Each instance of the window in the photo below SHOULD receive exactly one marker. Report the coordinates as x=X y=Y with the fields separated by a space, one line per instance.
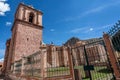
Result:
x=29 y=59
x=27 y=39
x=0 y=65
x=31 y=17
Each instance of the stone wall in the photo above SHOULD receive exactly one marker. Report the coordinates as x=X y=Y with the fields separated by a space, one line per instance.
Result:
x=6 y=64
x=27 y=40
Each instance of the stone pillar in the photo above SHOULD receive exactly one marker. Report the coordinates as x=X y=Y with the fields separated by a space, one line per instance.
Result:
x=14 y=68
x=112 y=56
x=71 y=64
x=87 y=74
x=77 y=74
x=57 y=62
x=23 y=67
x=65 y=56
x=44 y=61
x=24 y=14
x=53 y=57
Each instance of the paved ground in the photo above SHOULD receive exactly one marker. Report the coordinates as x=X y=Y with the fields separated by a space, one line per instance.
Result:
x=1 y=77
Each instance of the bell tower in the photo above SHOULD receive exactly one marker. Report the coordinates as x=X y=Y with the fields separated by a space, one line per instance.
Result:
x=26 y=32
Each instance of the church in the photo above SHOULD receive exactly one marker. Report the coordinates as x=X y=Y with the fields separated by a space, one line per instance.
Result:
x=26 y=37
x=26 y=34
x=25 y=51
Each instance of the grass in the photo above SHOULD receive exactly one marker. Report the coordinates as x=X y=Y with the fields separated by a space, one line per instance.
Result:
x=58 y=71
x=99 y=72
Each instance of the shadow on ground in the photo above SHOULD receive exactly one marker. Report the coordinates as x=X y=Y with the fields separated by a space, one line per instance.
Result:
x=104 y=71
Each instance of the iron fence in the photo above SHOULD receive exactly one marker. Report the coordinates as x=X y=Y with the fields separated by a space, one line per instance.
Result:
x=114 y=34
x=51 y=63
x=32 y=65
x=91 y=60
x=57 y=63
x=18 y=66
x=29 y=66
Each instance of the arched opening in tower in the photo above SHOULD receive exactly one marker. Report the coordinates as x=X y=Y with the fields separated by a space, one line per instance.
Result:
x=31 y=17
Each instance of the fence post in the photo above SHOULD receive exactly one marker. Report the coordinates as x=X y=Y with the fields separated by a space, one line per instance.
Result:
x=22 y=66
x=14 y=65
x=87 y=73
x=111 y=55
x=44 y=62
x=71 y=63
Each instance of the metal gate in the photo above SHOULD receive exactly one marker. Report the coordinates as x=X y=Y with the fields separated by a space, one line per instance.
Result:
x=91 y=61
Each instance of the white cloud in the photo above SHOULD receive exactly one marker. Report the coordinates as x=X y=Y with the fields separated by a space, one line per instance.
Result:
x=4 y=7
x=91 y=29
x=2 y=51
x=77 y=30
x=100 y=8
x=92 y=10
x=81 y=30
x=52 y=30
x=2 y=59
x=3 y=0
x=103 y=27
x=8 y=23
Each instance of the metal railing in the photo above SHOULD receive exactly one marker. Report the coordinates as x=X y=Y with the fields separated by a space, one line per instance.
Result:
x=92 y=61
x=114 y=34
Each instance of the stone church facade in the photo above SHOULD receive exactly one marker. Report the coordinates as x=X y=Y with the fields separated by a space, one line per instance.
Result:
x=26 y=45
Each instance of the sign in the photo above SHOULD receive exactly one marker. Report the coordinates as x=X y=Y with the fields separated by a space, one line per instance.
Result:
x=90 y=67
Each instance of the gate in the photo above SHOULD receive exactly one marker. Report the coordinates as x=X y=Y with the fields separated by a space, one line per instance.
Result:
x=91 y=62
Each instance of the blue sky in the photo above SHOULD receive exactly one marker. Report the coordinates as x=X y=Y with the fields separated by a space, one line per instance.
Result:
x=63 y=19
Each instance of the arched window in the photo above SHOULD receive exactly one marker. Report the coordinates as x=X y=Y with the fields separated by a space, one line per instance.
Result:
x=31 y=17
